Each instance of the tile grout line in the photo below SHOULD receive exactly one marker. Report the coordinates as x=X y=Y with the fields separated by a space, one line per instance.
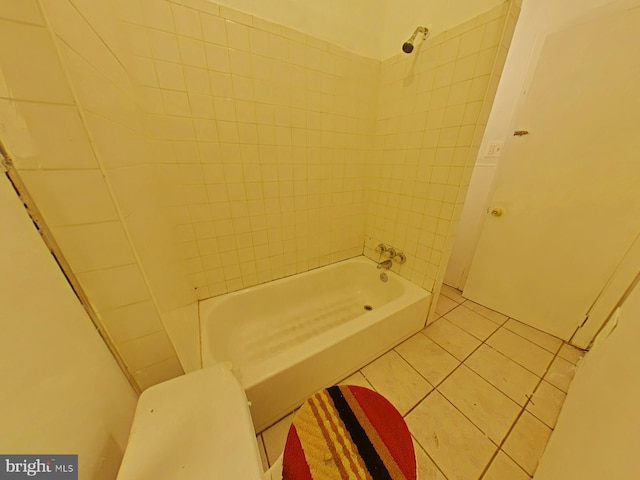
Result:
x=523 y=408
x=427 y=454
x=493 y=333
x=478 y=313
x=435 y=389
x=461 y=362
x=411 y=409
x=435 y=386
x=522 y=411
x=504 y=323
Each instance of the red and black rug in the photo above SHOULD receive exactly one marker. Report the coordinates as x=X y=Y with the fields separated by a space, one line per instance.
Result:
x=348 y=432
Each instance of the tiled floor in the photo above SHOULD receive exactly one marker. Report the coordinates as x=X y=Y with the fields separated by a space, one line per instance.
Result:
x=480 y=392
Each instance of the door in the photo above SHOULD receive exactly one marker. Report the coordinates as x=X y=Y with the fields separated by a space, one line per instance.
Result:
x=570 y=189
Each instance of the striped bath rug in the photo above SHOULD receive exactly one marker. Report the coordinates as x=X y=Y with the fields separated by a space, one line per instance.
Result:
x=348 y=432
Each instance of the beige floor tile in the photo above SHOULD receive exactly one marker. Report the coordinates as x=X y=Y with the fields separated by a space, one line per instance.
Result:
x=513 y=380
x=457 y=447
x=357 y=379
x=452 y=293
x=444 y=305
x=431 y=360
x=522 y=351
x=263 y=453
x=540 y=338
x=427 y=470
x=275 y=437
x=472 y=322
x=482 y=403
x=394 y=378
x=503 y=468
x=561 y=373
x=571 y=353
x=527 y=441
x=486 y=312
x=452 y=338
x=546 y=403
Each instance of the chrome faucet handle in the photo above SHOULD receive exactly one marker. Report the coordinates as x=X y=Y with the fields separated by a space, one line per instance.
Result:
x=381 y=248
x=400 y=258
x=390 y=252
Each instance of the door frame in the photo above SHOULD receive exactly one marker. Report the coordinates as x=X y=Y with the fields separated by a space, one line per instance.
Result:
x=541 y=18
x=612 y=294
x=614 y=290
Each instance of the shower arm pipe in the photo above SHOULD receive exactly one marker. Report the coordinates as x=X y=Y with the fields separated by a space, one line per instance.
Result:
x=422 y=30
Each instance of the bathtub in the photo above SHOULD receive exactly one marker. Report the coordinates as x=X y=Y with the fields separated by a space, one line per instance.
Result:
x=291 y=337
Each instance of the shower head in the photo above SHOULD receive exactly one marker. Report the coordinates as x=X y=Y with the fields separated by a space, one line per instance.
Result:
x=407 y=47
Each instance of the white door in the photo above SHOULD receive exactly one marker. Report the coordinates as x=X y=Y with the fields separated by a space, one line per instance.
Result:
x=570 y=189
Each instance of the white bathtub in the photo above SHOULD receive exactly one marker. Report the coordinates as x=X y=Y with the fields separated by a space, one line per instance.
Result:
x=291 y=337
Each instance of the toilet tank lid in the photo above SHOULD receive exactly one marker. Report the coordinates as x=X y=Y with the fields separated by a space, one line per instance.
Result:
x=196 y=426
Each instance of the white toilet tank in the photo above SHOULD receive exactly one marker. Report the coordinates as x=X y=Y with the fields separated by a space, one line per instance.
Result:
x=193 y=427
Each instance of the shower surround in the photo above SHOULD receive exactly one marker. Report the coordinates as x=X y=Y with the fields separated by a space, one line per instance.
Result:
x=182 y=150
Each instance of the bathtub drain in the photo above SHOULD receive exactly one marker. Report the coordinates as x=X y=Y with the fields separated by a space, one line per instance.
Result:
x=368 y=308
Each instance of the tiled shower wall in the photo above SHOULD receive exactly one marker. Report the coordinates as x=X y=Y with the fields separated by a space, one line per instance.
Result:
x=200 y=150
x=267 y=132
x=64 y=91
x=433 y=107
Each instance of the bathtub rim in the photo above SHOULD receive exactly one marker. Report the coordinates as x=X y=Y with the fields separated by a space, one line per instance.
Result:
x=361 y=259
x=411 y=293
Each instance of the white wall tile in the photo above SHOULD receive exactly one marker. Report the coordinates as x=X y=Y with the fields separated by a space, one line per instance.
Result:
x=132 y=321
x=307 y=169
x=187 y=21
x=192 y=52
x=116 y=145
x=94 y=246
x=46 y=136
x=157 y=14
x=170 y=76
x=146 y=351
x=214 y=29
x=159 y=372
x=114 y=287
x=435 y=111
x=31 y=59
x=70 y=197
x=23 y=11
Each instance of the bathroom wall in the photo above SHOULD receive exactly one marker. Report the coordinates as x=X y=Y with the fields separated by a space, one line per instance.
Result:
x=182 y=149
x=77 y=144
x=268 y=132
x=433 y=106
x=272 y=182
x=398 y=19
x=354 y=25
x=374 y=30
x=62 y=391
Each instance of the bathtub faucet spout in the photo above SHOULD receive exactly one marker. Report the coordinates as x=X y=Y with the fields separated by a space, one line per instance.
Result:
x=386 y=264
